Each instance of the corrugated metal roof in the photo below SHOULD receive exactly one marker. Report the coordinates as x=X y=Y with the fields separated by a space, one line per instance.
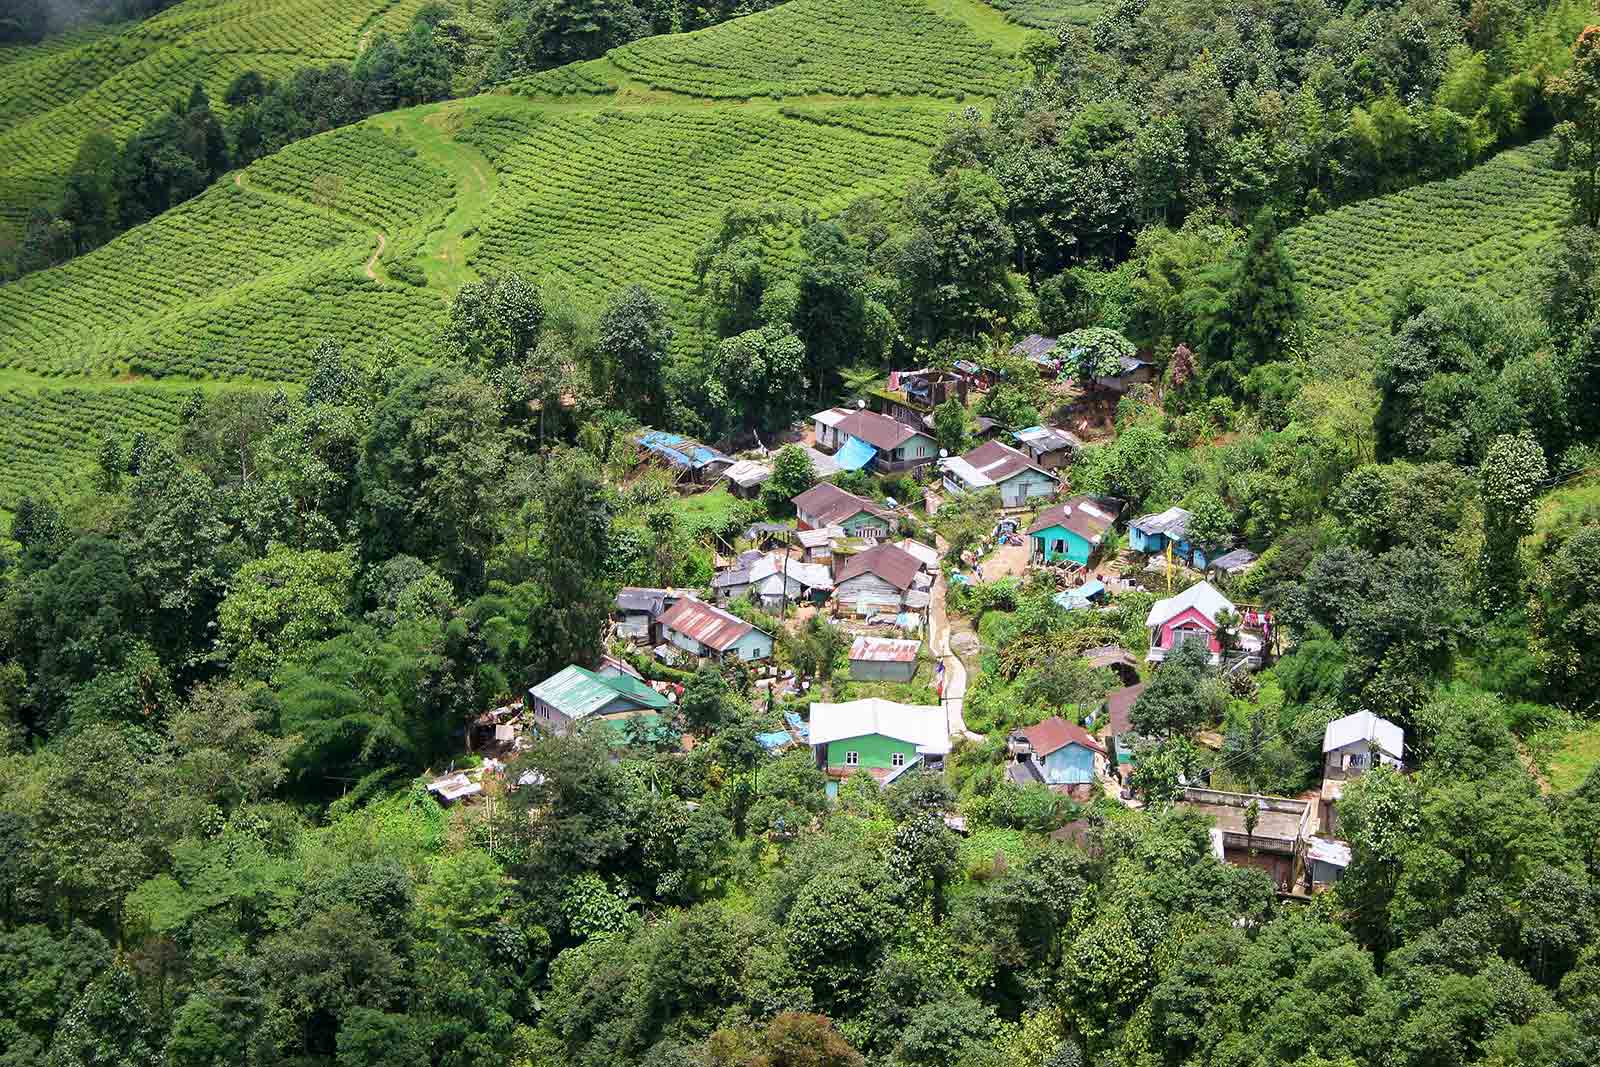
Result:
x=747 y=472
x=894 y=565
x=1365 y=726
x=709 y=625
x=830 y=504
x=1047 y=438
x=884 y=650
x=1174 y=523
x=923 y=725
x=1034 y=346
x=990 y=464
x=576 y=692
x=1202 y=596
x=1056 y=732
x=1083 y=515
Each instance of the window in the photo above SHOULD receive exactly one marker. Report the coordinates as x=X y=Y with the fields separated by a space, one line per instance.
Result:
x=898 y=759
x=1060 y=546
x=852 y=759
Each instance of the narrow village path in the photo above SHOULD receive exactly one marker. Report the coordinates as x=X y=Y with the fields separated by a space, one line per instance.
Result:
x=955 y=672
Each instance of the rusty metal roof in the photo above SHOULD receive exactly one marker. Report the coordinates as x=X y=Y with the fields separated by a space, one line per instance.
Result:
x=709 y=625
x=884 y=650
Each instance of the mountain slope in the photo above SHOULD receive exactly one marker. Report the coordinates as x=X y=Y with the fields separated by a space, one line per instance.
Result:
x=1484 y=230
x=593 y=176
x=112 y=79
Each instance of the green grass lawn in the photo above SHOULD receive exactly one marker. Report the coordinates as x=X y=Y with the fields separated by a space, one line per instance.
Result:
x=1574 y=759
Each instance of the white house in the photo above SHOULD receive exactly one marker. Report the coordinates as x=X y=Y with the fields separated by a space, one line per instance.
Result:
x=1350 y=747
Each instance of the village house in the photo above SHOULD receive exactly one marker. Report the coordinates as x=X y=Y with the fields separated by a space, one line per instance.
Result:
x=1153 y=534
x=1048 y=446
x=575 y=694
x=910 y=395
x=637 y=612
x=1192 y=616
x=883 y=659
x=746 y=477
x=926 y=555
x=1351 y=746
x=879 y=737
x=1233 y=563
x=1326 y=861
x=993 y=463
x=825 y=504
x=696 y=462
x=705 y=630
x=1275 y=843
x=1132 y=371
x=771 y=579
x=1041 y=351
x=883 y=579
x=1056 y=752
x=1071 y=531
x=1119 y=726
x=867 y=439
x=816 y=546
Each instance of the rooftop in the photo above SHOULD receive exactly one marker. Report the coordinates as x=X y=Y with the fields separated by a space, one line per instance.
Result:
x=1237 y=560
x=879 y=431
x=829 y=504
x=1055 y=733
x=990 y=464
x=1119 y=705
x=1202 y=596
x=1034 y=346
x=923 y=725
x=1047 y=439
x=926 y=555
x=576 y=691
x=1279 y=820
x=1173 y=523
x=705 y=623
x=1365 y=726
x=1087 y=516
x=747 y=472
x=884 y=650
x=894 y=565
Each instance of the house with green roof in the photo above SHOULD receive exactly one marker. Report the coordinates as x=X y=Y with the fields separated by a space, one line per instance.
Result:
x=574 y=694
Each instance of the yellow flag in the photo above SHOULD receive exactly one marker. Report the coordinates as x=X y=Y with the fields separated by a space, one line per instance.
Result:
x=1169 y=568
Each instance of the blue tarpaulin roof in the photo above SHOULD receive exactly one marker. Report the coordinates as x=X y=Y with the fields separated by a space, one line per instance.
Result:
x=855 y=454
x=774 y=739
x=1080 y=597
x=679 y=450
x=797 y=725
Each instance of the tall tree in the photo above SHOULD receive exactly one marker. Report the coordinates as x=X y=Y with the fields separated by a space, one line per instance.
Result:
x=1577 y=97
x=633 y=341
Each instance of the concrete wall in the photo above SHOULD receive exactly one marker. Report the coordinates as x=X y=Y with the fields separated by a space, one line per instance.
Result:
x=872 y=670
x=875 y=750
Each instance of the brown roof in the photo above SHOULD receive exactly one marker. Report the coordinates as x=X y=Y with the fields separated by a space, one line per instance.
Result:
x=879 y=431
x=998 y=461
x=894 y=565
x=1119 y=702
x=711 y=626
x=832 y=505
x=1085 y=516
x=1056 y=732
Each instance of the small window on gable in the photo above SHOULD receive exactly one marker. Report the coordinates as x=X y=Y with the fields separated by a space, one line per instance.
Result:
x=852 y=759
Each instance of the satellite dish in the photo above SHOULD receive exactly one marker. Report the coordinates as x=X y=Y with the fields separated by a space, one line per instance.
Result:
x=944 y=453
x=860 y=404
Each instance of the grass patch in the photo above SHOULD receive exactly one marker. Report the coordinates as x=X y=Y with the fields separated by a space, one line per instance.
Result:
x=1577 y=755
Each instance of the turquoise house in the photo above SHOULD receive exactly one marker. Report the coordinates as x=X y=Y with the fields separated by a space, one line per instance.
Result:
x=1151 y=534
x=1058 y=752
x=1071 y=531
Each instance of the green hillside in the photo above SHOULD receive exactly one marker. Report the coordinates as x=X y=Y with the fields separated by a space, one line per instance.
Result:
x=594 y=176
x=1480 y=230
x=112 y=78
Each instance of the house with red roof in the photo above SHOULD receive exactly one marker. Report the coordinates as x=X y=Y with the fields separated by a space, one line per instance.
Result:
x=1056 y=752
x=706 y=630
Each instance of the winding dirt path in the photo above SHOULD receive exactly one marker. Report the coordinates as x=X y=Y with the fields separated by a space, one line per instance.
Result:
x=372 y=261
x=371 y=265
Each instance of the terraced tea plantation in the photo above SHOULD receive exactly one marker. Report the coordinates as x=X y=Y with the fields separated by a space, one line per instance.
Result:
x=1049 y=16
x=111 y=79
x=832 y=47
x=605 y=198
x=1483 y=230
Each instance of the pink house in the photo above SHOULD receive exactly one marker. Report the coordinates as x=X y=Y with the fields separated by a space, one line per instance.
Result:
x=1192 y=616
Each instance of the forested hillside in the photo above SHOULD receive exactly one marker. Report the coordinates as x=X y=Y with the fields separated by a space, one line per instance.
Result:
x=830 y=533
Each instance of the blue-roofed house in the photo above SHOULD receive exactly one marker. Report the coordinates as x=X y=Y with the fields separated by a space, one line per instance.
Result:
x=865 y=439
x=1151 y=534
x=1081 y=596
x=701 y=463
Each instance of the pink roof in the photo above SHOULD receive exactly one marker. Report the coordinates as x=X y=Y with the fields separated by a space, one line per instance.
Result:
x=709 y=625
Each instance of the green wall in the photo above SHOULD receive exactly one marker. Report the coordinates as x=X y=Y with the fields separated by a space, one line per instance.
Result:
x=875 y=750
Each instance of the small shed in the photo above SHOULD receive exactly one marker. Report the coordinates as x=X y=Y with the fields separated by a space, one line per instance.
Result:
x=883 y=659
x=1050 y=446
x=746 y=477
x=1327 y=860
x=1236 y=562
